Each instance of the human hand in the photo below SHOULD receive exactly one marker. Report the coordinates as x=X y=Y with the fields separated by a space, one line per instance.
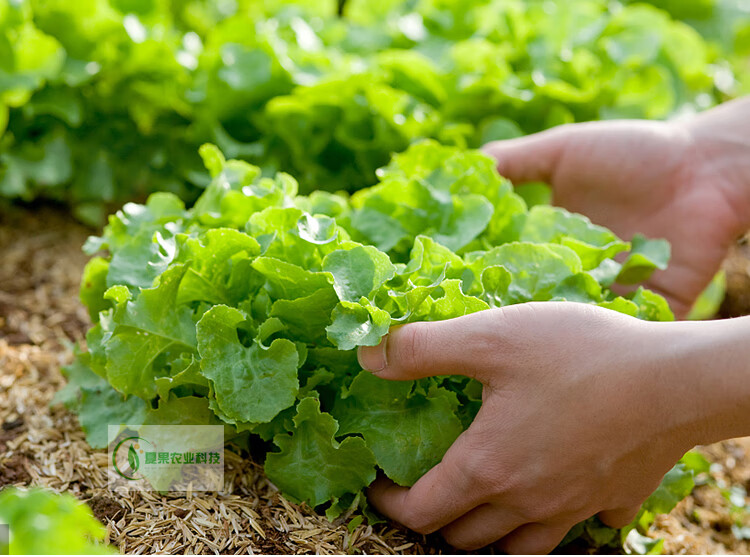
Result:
x=688 y=182
x=584 y=410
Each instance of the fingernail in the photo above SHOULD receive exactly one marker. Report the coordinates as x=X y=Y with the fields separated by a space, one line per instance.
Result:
x=372 y=358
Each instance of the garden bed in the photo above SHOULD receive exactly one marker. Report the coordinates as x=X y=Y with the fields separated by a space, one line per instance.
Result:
x=40 y=318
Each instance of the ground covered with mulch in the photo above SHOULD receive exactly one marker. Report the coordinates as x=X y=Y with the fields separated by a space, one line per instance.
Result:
x=40 y=318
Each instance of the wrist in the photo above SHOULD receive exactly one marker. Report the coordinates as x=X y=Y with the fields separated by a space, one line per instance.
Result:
x=707 y=385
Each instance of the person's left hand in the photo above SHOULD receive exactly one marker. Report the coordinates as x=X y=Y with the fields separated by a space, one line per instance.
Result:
x=581 y=415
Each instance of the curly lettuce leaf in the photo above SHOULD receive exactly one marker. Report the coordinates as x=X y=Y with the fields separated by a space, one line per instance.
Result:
x=312 y=465
x=407 y=431
x=250 y=384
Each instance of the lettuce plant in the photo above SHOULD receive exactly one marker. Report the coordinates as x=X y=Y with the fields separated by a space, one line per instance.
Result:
x=43 y=522
x=105 y=101
x=246 y=310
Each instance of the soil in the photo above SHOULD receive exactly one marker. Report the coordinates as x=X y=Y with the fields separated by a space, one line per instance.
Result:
x=10 y=430
x=737 y=268
x=40 y=319
x=13 y=471
x=105 y=508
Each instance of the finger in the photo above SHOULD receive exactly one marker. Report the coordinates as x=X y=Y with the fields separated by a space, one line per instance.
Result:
x=480 y=527
x=441 y=496
x=619 y=518
x=426 y=349
x=534 y=539
x=529 y=159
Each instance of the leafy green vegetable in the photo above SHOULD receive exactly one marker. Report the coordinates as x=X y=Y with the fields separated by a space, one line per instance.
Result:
x=104 y=101
x=250 y=384
x=646 y=252
x=43 y=522
x=393 y=418
x=312 y=466
x=709 y=302
x=257 y=304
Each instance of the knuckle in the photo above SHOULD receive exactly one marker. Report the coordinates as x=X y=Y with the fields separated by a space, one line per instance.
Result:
x=482 y=473
x=513 y=323
x=474 y=468
x=510 y=315
x=477 y=469
x=496 y=483
x=411 y=346
x=416 y=520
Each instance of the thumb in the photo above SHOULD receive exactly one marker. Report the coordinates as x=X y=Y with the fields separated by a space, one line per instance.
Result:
x=529 y=159
x=460 y=346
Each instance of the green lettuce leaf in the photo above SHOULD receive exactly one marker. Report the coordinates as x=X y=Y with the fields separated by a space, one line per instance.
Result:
x=407 y=431
x=312 y=465
x=251 y=384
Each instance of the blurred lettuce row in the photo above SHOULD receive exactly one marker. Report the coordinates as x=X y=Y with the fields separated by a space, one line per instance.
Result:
x=725 y=25
x=246 y=310
x=46 y=523
x=103 y=101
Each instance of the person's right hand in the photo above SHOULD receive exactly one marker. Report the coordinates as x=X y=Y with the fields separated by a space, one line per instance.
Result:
x=688 y=182
x=583 y=412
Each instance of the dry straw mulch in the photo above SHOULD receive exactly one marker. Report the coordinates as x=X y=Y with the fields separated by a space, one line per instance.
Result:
x=40 y=266
x=46 y=447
